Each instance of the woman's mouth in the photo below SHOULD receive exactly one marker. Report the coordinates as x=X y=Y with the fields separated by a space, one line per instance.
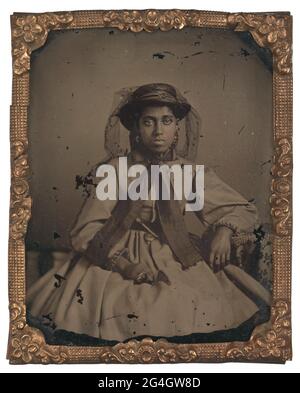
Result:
x=158 y=141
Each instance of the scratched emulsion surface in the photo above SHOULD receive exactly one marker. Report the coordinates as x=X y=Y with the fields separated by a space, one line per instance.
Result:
x=74 y=77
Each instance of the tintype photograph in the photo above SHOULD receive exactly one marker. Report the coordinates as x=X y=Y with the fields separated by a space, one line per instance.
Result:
x=153 y=218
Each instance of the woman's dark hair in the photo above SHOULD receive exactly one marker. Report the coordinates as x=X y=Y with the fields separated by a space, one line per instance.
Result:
x=157 y=94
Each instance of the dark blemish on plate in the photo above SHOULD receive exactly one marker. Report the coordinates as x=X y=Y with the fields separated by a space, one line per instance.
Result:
x=84 y=182
x=47 y=316
x=55 y=234
x=79 y=295
x=241 y=129
x=224 y=79
x=265 y=162
x=59 y=281
x=244 y=52
x=49 y=322
x=197 y=53
x=131 y=316
x=259 y=234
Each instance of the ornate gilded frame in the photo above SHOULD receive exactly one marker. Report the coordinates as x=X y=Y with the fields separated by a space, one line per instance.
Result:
x=270 y=342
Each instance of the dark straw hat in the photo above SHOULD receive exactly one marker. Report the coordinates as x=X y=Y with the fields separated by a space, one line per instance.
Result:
x=160 y=94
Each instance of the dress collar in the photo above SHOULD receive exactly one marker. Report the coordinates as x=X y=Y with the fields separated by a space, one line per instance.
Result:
x=143 y=155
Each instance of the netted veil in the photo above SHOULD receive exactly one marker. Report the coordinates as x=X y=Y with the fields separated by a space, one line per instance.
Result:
x=117 y=141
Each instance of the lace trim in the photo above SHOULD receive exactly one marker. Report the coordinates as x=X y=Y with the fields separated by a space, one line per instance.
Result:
x=229 y=225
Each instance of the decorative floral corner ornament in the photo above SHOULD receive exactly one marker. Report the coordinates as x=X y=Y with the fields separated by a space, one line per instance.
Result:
x=27 y=345
x=273 y=344
x=268 y=31
x=30 y=32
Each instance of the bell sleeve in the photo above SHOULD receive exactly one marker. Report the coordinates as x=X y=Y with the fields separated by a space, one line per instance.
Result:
x=90 y=219
x=223 y=206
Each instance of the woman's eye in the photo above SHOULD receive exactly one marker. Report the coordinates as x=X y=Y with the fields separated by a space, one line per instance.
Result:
x=147 y=123
x=167 y=120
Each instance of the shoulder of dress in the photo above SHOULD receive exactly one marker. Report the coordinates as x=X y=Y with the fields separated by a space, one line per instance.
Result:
x=184 y=161
x=113 y=161
x=207 y=169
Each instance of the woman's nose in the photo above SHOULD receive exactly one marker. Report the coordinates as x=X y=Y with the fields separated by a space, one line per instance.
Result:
x=158 y=128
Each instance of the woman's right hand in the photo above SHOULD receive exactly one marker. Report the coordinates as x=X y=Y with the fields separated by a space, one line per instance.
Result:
x=139 y=273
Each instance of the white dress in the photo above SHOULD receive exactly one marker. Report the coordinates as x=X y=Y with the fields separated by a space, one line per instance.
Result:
x=84 y=298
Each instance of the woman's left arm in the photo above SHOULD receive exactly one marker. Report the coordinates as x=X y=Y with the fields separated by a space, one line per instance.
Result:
x=223 y=206
x=228 y=212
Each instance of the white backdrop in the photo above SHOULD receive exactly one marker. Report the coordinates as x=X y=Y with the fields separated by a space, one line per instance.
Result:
x=5 y=75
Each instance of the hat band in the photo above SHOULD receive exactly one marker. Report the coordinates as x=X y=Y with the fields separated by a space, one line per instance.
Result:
x=157 y=97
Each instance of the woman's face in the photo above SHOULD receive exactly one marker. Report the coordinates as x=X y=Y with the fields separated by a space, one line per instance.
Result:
x=157 y=128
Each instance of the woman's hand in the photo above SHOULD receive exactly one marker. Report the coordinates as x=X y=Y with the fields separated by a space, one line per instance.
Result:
x=138 y=273
x=220 y=248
